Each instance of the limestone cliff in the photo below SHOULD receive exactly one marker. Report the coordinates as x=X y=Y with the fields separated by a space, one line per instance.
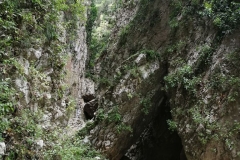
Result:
x=170 y=57
x=42 y=84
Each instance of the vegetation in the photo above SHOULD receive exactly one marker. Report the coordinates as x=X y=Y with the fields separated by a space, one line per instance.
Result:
x=146 y=103
x=90 y=21
x=123 y=35
x=151 y=54
x=223 y=13
x=6 y=95
x=182 y=77
x=113 y=116
x=172 y=125
x=185 y=82
x=71 y=149
x=98 y=28
x=6 y=105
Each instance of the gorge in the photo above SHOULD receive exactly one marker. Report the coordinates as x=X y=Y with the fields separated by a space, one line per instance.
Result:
x=119 y=79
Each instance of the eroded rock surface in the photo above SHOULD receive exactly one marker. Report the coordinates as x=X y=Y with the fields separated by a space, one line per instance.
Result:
x=178 y=53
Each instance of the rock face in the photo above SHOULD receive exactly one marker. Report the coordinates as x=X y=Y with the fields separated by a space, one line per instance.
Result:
x=42 y=64
x=170 y=54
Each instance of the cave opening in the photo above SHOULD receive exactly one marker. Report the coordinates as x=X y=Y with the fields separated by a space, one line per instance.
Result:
x=157 y=142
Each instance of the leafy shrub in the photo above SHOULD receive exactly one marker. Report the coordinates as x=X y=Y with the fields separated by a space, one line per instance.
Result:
x=72 y=149
x=225 y=14
x=172 y=125
x=150 y=54
x=146 y=103
x=6 y=101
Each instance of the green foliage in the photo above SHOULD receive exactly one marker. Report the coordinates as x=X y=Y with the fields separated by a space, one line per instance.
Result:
x=234 y=58
x=98 y=31
x=24 y=131
x=176 y=8
x=114 y=115
x=100 y=115
x=123 y=127
x=75 y=149
x=21 y=20
x=204 y=58
x=71 y=149
x=90 y=21
x=130 y=96
x=150 y=54
x=196 y=116
x=71 y=106
x=126 y=67
x=50 y=32
x=7 y=103
x=146 y=103
x=124 y=35
x=185 y=79
x=135 y=73
x=225 y=14
x=173 y=23
x=172 y=125
x=84 y=131
x=26 y=125
x=96 y=47
x=105 y=81
x=6 y=97
x=12 y=66
x=226 y=83
x=182 y=76
x=173 y=49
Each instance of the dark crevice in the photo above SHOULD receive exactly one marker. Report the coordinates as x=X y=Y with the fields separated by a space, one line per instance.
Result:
x=87 y=116
x=90 y=108
x=88 y=97
x=157 y=141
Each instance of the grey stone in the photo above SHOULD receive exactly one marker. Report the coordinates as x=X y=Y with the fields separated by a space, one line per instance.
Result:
x=107 y=143
x=39 y=144
x=141 y=59
x=35 y=54
x=2 y=148
x=58 y=114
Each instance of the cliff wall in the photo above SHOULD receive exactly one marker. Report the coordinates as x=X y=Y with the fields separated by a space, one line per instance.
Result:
x=178 y=56
x=42 y=81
